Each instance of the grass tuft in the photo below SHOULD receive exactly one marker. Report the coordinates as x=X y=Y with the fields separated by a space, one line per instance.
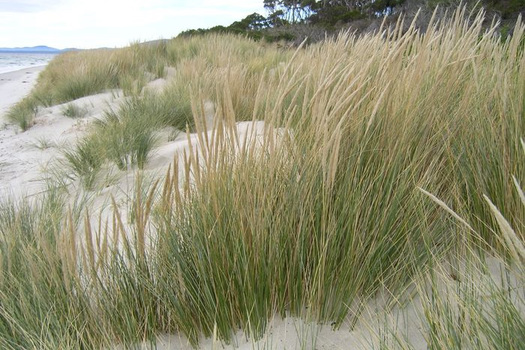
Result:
x=23 y=113
x=72 y=110
x=85 y=161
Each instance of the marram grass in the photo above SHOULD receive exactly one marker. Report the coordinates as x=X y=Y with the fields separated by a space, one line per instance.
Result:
x=311 y=214
x=475 y=301
x=82 y=73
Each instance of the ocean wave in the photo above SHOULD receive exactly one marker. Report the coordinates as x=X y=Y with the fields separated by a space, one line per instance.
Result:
x=10 y=62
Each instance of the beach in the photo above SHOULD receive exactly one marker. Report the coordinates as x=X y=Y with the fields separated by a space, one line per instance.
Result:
x=27 y=158
x=15 y=167
x=14 y=86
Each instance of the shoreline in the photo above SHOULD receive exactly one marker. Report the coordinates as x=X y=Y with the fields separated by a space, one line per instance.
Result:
x=22 y=68
x=19 y=164
x=15 y=85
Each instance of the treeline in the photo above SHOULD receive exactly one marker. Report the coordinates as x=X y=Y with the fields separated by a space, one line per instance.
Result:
x=254 y=26
x=295 y=19
x=330 y=12
x=327 y=12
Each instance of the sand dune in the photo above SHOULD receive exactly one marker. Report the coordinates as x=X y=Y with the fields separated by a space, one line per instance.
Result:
x=26 y=160
x=26 y=157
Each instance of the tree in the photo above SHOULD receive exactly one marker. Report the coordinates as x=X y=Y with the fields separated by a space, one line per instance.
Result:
x=251 y=22
x=326 y=11
x=330 y=12
x=289 y=11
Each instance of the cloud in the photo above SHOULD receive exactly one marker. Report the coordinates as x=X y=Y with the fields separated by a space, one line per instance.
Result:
x=25 y=6
x=240 y=5
x=97 y=23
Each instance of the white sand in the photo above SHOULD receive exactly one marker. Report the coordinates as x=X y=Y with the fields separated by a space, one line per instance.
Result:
x=14 y=86
x=27 y=158
x=13 y=163
x=377 y=323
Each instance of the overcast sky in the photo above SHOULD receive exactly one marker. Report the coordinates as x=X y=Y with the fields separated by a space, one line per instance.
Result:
x=111 y=23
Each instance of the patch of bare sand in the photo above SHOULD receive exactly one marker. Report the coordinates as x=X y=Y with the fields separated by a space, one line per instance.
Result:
x=26 y=158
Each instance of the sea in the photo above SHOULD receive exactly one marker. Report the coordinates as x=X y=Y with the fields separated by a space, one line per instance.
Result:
x=13 y=61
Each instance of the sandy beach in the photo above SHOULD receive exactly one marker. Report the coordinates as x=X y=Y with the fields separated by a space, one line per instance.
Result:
x=14 y=86
x=26 y=157
x=325 y=177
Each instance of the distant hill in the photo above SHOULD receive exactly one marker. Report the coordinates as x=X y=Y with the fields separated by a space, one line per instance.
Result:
x=34 y=49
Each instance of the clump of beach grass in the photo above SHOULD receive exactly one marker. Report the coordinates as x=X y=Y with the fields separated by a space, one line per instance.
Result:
x=72 y=110
x=43 y=143
x=475 y=300
x=23 y=113
x=43 y=303
x=125 y=141
x=311 y=211
x=128 y=134
x=85 y=160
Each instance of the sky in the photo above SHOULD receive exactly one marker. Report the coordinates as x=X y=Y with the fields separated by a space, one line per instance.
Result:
x=86 y=24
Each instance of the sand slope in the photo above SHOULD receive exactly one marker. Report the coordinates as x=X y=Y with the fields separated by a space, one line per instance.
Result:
x=26 y=158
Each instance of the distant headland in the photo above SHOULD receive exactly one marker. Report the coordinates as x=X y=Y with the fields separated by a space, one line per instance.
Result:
x=34 y=49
